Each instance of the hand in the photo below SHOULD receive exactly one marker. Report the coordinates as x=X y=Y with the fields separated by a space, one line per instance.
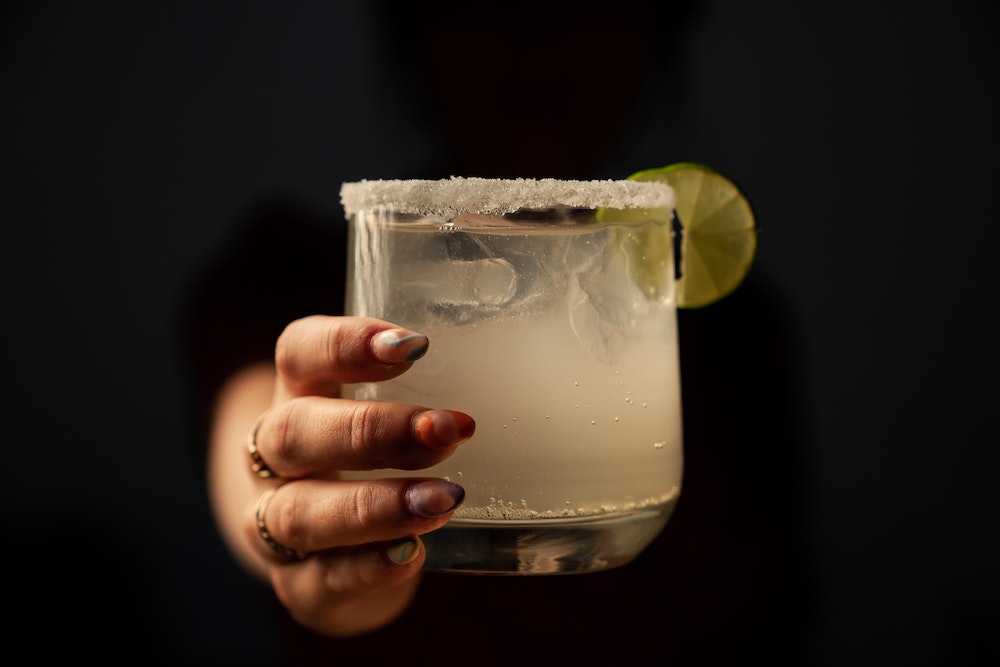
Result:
x=342 y=556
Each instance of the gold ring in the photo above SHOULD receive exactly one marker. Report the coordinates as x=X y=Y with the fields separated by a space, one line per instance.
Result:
x=265 y=534
x=256 y=462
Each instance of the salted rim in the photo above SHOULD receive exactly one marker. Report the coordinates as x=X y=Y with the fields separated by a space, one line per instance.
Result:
x=500 y=196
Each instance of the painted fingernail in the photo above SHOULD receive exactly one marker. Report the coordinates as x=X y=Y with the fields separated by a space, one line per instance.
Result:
x=434 y=497
x=403 y=551
x=444 y=428
x=396 y=346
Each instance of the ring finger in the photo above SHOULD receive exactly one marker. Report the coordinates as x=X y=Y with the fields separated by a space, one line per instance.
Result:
x=305 y=516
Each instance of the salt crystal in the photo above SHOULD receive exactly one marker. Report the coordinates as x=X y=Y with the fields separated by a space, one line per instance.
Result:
x=447 y=197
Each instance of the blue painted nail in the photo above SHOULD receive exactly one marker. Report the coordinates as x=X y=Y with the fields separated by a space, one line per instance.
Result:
x=403 y=551
x=396 y=346
x=433 y=498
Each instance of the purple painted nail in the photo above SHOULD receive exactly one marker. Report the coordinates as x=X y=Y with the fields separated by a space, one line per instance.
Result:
x=434 y=497
x=395 y=346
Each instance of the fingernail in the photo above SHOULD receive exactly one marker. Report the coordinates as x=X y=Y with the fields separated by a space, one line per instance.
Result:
x=444 y=428
x=396 y=346
x=403 y=551
x=434 y=497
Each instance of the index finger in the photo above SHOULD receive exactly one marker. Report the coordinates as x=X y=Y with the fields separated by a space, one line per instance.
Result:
x=315 y=354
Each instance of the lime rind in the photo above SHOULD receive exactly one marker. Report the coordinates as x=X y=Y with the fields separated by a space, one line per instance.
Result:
x=719 y=233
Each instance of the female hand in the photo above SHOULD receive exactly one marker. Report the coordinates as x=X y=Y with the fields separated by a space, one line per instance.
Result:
x=342 y=556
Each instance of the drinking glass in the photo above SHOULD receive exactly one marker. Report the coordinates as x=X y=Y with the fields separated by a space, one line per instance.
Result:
x=550 y=309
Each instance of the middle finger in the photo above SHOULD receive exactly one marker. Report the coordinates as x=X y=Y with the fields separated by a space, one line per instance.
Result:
x=317 y=436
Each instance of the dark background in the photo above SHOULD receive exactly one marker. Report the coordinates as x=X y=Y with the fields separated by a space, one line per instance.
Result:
x=865 y=133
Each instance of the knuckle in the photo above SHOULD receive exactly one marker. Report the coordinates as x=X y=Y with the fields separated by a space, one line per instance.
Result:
x=361 y=572
x=333 y=348
x=282 y=445
x=364 y=501
x=297 y=336
x=344 y=346
x=284 y=347
x=290 y=521
x=365 y=425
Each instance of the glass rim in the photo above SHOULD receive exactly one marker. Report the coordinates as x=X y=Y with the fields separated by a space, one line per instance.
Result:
x=498 y=196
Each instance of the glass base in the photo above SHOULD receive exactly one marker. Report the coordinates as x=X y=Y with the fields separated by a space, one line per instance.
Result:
x=543 y=546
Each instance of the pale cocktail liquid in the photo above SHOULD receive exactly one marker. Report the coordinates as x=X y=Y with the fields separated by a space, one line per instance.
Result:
x=539 y=331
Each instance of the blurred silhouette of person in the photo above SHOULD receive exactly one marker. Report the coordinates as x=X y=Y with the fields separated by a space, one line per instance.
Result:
x=519 y=90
